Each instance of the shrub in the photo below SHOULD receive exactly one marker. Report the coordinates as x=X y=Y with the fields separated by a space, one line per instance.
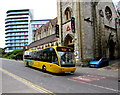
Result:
x=16 y=54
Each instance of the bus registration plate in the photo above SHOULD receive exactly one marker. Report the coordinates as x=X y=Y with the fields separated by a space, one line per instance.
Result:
x=67 y=72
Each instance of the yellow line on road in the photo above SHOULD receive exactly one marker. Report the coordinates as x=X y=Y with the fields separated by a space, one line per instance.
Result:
x=41 y=89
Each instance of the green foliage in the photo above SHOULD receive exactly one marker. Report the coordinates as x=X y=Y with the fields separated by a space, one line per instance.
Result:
x=7 y=54
x=16 y=54
x=1 y=52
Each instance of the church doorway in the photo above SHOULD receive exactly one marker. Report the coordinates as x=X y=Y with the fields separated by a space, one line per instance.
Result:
x=111 y=47
x=69 y=41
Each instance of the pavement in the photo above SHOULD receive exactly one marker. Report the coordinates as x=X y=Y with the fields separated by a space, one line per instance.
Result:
x=9 y=84
x=96 y=71
x=110 y=71
x=114 y=65
x=17 y=86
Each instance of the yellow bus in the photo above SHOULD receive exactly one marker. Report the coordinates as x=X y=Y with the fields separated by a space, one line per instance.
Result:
x=56 y=59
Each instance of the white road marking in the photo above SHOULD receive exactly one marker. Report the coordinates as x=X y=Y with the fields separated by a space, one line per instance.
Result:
x=34 y=86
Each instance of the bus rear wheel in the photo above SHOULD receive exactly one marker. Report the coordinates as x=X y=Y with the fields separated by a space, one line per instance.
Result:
x=44 y=68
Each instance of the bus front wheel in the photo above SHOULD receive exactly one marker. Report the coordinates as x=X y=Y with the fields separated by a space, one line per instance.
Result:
x=44 y=68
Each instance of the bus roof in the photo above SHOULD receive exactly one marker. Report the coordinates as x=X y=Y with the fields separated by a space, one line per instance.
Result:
x=48 y=47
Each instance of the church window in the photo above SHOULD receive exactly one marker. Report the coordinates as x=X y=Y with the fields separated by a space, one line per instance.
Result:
x=108 y=13
x=67 y=14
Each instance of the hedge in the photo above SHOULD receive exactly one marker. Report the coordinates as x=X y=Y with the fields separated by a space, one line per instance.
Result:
x=16 y=54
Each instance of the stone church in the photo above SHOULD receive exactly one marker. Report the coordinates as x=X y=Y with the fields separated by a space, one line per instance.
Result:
x=96 y=32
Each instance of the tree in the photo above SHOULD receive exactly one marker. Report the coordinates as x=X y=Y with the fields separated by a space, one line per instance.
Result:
x=16 y=54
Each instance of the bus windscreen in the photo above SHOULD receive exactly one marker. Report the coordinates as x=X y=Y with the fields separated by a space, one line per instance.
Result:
x=66 y=56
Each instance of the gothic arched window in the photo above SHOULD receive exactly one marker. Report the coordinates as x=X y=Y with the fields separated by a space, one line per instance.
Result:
x=68 y=13
x=108 y=13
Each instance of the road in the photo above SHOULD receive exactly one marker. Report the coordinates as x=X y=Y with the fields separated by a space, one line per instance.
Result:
x=17 y=78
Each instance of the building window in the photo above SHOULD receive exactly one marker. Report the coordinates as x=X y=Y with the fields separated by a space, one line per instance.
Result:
x=67 y=13
x=108 y=13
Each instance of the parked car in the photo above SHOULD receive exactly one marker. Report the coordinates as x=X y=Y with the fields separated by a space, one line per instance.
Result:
x=99 y=62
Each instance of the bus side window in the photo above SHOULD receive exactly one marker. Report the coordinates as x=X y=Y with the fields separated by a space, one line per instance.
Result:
x=49 y=57
x=41 y=56
x=45 y=56
x=54 y=57
x=32 y=55
x=37 y=56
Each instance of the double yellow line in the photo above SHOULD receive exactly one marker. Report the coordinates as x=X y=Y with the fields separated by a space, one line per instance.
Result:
x=38 y=88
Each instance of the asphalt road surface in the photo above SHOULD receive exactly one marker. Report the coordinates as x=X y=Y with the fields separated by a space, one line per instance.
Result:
x=17 y=78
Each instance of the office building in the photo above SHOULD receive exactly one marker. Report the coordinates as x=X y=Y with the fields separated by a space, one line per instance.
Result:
x=16 y=28
x=34 y=25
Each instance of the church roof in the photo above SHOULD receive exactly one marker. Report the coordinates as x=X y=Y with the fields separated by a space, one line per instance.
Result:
x=42 y=41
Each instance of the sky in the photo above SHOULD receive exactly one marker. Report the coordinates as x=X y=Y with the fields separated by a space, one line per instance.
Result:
x=41 y=9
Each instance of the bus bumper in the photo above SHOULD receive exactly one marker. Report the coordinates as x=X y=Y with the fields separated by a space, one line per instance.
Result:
x=67 y=69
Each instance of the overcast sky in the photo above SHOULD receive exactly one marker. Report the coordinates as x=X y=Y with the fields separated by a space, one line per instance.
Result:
x=42 y=9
